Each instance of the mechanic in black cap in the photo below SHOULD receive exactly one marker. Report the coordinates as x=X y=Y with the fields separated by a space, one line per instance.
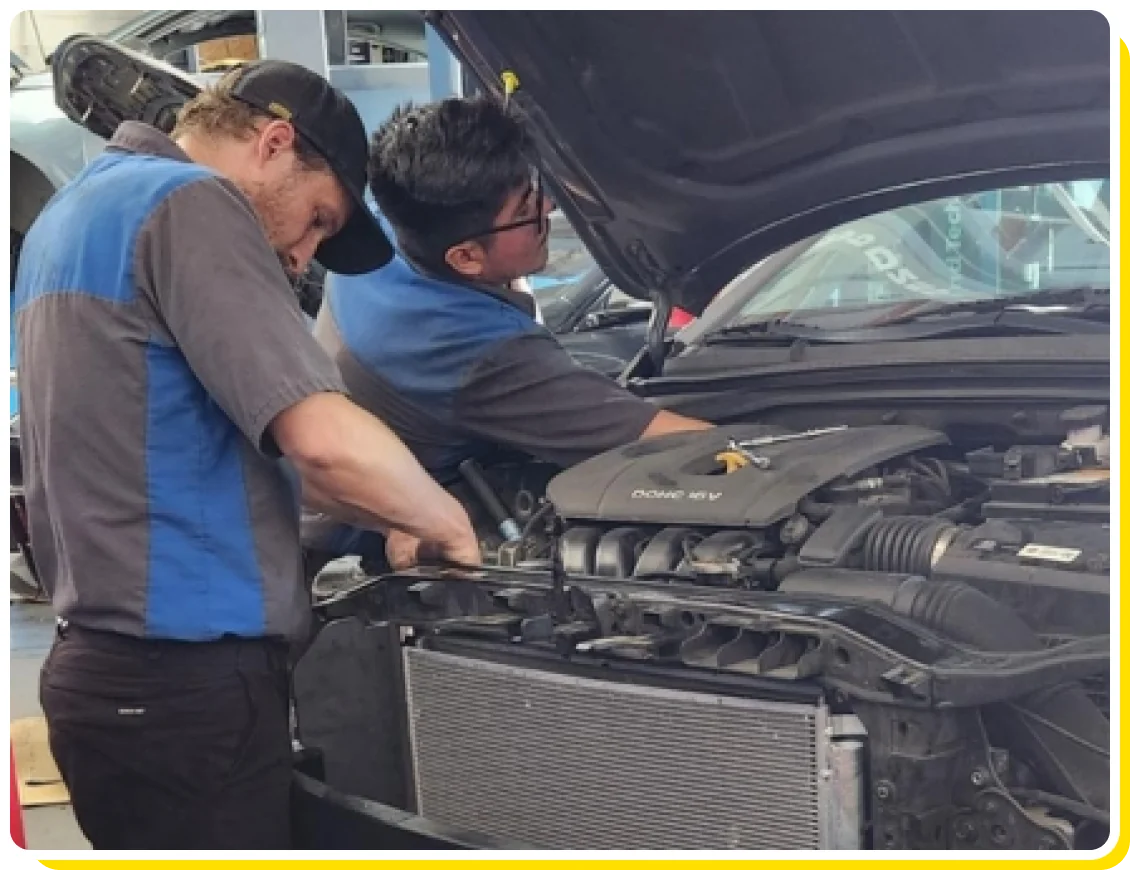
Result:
x=165 y=370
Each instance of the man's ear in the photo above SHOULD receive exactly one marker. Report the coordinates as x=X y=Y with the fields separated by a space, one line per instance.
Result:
x=275 y=137
x=467 y=259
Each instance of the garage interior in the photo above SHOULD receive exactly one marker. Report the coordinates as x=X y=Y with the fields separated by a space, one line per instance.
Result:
x=857 y=597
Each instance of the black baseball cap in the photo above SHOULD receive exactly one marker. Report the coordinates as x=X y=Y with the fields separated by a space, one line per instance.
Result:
x=329 y=122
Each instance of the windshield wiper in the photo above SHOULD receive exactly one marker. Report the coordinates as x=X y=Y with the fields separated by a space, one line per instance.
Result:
x=764 y=332
x=1075 y=302
x=1054 y=312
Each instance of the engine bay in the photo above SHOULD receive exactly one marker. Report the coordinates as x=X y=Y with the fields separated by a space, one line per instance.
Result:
x=948 y=603
x=894 y=499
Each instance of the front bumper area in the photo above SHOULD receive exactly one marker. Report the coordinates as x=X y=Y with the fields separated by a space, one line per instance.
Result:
x=323 y=818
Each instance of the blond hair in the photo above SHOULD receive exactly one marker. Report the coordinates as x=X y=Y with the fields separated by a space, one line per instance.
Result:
x=215 y=113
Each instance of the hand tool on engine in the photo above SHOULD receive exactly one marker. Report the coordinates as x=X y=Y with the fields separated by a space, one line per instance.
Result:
x=507 y=527
x=766 y=440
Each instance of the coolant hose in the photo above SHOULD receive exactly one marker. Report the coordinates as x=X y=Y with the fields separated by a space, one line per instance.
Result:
x=1060 y=727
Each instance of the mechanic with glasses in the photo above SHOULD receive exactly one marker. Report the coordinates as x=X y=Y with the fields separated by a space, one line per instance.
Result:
x=439 y=342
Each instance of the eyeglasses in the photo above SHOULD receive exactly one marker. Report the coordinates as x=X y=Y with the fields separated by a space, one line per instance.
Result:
x=539 y=217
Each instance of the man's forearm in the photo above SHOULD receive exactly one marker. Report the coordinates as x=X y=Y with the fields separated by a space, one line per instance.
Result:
x=407 y=499
x=354 y=467
x=315 y=502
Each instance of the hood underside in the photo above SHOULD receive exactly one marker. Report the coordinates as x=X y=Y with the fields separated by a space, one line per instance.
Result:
x=99 y=84
x=684 y=147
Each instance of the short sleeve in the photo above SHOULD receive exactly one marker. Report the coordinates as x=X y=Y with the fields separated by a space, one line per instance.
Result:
x=530 y=394
x=221 y=293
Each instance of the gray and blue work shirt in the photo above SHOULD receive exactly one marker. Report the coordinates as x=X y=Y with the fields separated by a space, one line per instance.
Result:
x=158 y=338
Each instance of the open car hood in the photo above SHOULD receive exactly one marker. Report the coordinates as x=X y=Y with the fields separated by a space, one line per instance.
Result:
x=686 y=146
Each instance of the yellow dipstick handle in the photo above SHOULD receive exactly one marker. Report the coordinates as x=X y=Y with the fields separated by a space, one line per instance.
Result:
x=732 y=460
x=510 y=83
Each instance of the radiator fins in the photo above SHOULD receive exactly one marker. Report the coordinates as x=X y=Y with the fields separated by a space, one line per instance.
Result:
x=560 y=762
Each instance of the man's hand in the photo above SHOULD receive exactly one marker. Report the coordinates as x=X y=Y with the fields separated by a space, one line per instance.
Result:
x=668 y=422
x=406 y=551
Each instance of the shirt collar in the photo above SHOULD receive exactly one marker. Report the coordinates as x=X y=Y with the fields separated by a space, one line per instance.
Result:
x=145 y=139
x=524 y=302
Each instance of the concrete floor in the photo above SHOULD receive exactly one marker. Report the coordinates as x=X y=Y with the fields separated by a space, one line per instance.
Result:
x=49 y=827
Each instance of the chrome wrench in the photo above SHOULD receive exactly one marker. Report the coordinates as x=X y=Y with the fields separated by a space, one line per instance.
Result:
x=766 y=440
x=754 y=459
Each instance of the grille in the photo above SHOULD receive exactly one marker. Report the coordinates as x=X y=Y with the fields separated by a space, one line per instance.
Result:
x=559 y=762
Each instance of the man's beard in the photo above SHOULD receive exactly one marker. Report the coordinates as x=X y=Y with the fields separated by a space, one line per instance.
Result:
x=270 y=204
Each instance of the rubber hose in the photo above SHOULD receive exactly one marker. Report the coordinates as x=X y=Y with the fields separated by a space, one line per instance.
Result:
x=903 y=544
x=473 y=474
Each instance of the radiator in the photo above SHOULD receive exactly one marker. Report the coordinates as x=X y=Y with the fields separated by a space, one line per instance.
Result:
x=559 y=762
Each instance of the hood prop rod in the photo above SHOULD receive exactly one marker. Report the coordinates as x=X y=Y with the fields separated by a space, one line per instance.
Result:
x=657 y=331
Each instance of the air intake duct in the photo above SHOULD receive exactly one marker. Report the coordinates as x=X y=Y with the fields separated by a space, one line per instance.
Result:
x=910 y=545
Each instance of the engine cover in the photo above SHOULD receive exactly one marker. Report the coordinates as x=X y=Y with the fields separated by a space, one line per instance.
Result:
x=676 y=478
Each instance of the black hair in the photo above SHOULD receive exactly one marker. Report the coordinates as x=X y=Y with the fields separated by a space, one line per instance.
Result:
x=442 y=172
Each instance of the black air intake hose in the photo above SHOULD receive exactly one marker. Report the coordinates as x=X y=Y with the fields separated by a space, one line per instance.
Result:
x=910 y=545
x=1059 y=728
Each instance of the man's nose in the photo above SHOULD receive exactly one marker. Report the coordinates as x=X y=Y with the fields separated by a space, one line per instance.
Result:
x=299 y=257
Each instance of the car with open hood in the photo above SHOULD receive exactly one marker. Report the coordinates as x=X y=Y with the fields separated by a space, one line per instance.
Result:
x=871 y=608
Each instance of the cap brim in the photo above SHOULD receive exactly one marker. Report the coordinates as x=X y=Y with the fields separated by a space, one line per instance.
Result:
x=360 y=246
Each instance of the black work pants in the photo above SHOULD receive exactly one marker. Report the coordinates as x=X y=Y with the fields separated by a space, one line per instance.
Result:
x=167 y=745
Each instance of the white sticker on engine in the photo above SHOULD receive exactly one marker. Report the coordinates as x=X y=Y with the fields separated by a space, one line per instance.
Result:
x=1049 y=554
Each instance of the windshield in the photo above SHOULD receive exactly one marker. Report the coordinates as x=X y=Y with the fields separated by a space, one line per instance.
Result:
x=1016 y=241
x=567 y=262
x=559 y=288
